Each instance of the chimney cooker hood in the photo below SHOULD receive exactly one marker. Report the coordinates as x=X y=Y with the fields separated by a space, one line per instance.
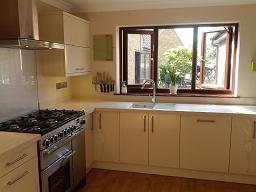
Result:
x=19 y=26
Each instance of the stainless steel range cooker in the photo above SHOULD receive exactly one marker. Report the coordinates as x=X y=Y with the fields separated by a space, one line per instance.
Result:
x=61 y=148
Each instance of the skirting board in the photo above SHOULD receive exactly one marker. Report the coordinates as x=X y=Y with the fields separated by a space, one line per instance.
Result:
x=175 y=172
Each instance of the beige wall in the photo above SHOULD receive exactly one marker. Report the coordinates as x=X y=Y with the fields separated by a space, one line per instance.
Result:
x=106 y=23
x=47 y=92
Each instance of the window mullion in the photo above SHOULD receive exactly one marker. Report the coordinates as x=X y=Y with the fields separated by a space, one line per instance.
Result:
x=194 y=58
x=155 y=55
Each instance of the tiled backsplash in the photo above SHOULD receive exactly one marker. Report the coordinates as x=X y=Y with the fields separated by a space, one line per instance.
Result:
x=18 y=86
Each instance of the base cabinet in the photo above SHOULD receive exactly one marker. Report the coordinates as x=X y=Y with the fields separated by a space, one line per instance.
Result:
x=243 y=146
x=106 y=136
x=205 y=142
x=23 y=178
x=164 y=139
x=89 y=143
x=134 y=138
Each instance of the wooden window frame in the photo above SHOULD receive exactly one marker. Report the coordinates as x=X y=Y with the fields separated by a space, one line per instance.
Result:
x=123 y=44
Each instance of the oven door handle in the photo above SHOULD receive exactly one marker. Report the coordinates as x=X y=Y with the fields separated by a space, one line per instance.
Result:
x=67 y=157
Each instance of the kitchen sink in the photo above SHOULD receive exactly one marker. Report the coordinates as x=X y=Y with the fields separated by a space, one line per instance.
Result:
x=143 y=105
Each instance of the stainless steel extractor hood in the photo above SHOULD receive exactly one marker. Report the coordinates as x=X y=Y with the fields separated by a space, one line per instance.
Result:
x=19 y=26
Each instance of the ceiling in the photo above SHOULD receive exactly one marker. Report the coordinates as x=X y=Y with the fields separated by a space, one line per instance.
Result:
x=115 y=5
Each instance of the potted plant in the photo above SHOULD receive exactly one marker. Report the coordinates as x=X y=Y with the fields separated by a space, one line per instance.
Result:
x=173 y=80
x=123 y=88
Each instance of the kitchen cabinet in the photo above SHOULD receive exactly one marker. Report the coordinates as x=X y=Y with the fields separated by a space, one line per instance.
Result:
x=134 y=137
x=164 y=139
x=19 y=169
x=243 y=146
x=73 y=31
x=23 y=178
x=11 y=161
x=89 y=143
x=205 y=142
x=106 y=136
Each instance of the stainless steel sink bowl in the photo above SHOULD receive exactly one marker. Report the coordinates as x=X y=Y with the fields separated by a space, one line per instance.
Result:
x=143 y=105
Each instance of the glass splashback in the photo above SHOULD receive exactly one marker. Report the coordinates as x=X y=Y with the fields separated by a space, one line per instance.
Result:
x=18 y=85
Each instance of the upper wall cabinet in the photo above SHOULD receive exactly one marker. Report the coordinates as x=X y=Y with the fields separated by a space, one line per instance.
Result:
x=65 y=28
x=73 y=31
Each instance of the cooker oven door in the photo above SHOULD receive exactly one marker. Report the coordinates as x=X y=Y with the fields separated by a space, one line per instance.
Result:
x=58 y=177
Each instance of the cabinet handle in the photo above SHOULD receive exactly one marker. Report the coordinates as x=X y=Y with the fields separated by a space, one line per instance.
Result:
x=254 y=130
x=152 y=121
x=144 y=118
x=16 y=160
x=18 y=178
x=79 y=69
x=100 y=122
x=205 y=121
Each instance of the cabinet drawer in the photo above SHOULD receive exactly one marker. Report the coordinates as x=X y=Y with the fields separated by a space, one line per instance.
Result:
x=15 y=158
x=23 y=178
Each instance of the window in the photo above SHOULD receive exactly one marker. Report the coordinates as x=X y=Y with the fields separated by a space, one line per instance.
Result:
x=203 y=56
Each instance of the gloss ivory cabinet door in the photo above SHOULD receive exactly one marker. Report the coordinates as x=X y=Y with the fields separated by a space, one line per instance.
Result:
x=24 y=178
x=89 y=143
x=243 y=146
x=164 y=139
x=205 y=142
x=134 y=137
x=76 y=31
x=106 y=136
x=74 y=60
x=77 y=60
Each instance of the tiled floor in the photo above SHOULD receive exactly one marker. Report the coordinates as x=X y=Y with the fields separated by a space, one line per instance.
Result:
x=117 y=181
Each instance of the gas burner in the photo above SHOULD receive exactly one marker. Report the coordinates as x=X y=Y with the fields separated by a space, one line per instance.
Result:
x=41 y=121
x=14 y=127
x=32 y=121
x=51 y=121
x=35 y=128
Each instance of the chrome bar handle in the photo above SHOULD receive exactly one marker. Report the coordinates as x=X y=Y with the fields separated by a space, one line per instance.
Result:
x=254 y=130
x=67 y=157
x=18 y=178
x=16 y=160
x=144 y=118
x=100 y=122
x=205 y=121
x=152 y=122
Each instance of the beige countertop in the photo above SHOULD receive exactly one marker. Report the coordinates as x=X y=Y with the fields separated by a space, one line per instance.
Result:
x=11 y=140
x=89 y=107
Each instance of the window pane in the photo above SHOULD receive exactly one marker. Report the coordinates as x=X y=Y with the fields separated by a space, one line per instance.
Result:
x=139 y=58
x=175 y=50
x=212 y=60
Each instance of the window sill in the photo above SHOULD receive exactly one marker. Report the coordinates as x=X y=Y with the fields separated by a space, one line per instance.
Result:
x=181 y=95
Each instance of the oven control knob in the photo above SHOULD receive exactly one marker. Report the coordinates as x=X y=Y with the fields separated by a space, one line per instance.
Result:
x=55 y=137
x=51 y=140
x=60 y=134
x=65 y=132
x=46 y=143
x=68 y=130
x=82 y=122
x=74 y=128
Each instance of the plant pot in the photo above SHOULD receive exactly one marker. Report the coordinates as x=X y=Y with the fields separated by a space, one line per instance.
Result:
x=173 y=89
x=124 y=90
